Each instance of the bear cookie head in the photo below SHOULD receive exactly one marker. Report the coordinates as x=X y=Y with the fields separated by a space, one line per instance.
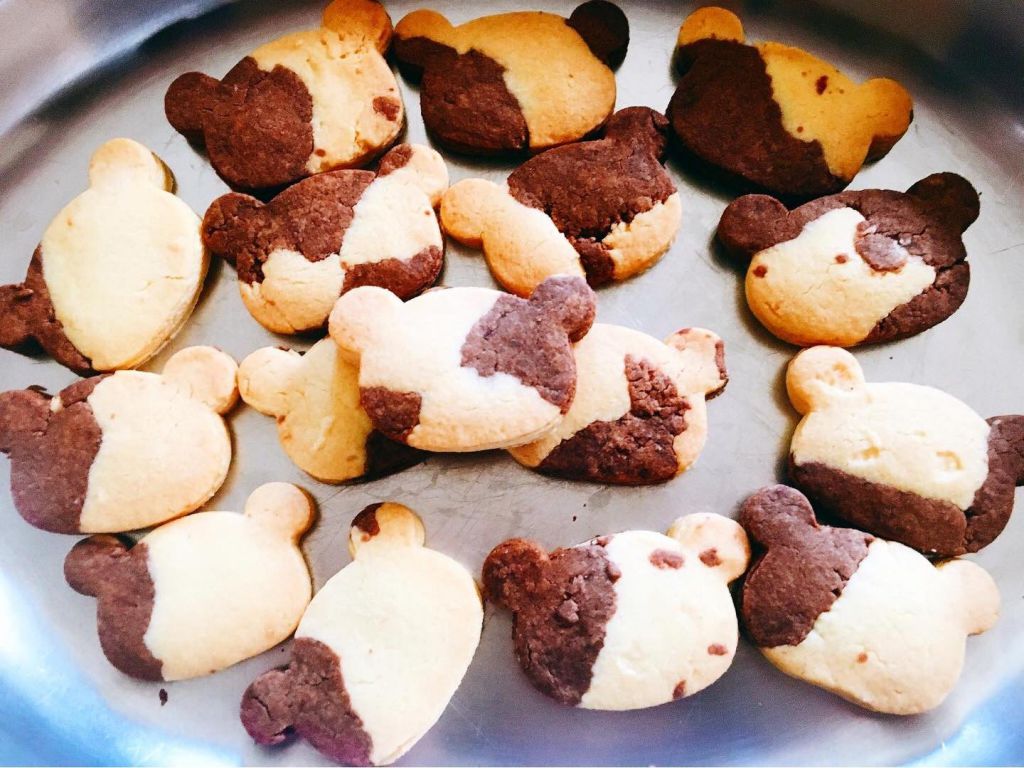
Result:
x=876 y=456
x=159 y=618
x=465 y=369
x=330 y=233
x=581 y=612
x=257 y=123
x=123 y=451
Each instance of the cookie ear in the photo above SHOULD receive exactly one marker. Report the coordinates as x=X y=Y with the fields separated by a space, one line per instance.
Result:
x=421 y=37
x=418 y=165
x=91 y=562
x=639 y=126
x=892 y=108
x=360 y=315
x=265 y=379
x=776 y=514
x=710 y=22
x=359 y=23
x=266 y=710
x=702 y=354
x=387 y=525
x=952 y=198
x=819 y=374
x=121 y=161
x=570 y=300
x=16 y=315
x=976 y=592
x=1011 y=433
x=22 y=412
x=207 y=374
x=721 y=543
x=283 y=508
x=751 y=223
x=512 y=571
x=229 y=223
x=469 y=207
x=604 y=28
x=188 y=99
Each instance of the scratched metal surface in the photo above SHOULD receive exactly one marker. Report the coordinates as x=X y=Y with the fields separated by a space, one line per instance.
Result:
x=60 y=702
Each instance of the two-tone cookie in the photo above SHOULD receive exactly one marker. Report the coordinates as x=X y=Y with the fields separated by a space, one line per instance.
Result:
x=118 y=270
x=330 y=233
x=123 y=451
x=604 y=209
x=380 y=651
x=905 y=462
x=870 y=620
x=626 y=621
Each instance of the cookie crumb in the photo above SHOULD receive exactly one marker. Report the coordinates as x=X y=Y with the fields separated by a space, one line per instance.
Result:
x=760 y=270
x=163 y=696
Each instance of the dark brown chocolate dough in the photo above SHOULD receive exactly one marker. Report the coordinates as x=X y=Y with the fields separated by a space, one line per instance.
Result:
x=404 y=278
x=394 y=414
x=717 y=649
x=561 y=606
x=307 y=698
x=710 y=558
x=366 y=521
x=396 y=158
x=664 y=558
x=387 y=106
x=119 y=579
x=604 y=28
x=799 y=569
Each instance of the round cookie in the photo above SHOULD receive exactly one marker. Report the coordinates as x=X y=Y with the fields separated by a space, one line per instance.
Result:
x=330 y=233
x=905 y=462
x=379 y=652
x=202 y=593
x=123 y=451
x=870 y=620
x=513 y=81
x=639 y=413
x=856 y=267
x=775 y=116
x=315 y=399
x=307 y=102
x=465 y=369
x=626 y=621
x=118 y=270
x=604 y=209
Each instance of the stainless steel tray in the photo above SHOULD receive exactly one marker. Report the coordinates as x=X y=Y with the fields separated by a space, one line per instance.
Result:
x=60 y=702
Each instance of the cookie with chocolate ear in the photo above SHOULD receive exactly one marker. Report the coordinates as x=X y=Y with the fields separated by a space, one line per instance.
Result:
x=856 y=267
x=202 y=593
x=380 y=650
x=639 y=413
x=604 y=209
x=305 y=103
x=118 y=270
x=465 y=369
x=330 y=233
x=905 y=462
x=627 y=621
x=870 y=620
x=775 y=116
x=513 y=81
x=122 y=451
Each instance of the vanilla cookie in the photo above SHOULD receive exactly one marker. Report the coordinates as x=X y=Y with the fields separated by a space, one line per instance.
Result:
x=603 y=209
x=332 y=232
x=380 y=650
x=776 y=116
x=465 y=369
x=307 y=102
x=118 y=270
x=626 y=621
x=513 y=81
x=870 y=620
x=639 y=413
x=902 y=461
x=122 y=451
x=202 y=593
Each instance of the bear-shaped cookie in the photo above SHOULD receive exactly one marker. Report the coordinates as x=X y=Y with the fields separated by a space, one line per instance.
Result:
x=513 y=81
x=118 y=270
x=626 y=621
x=639 y=413
x=905 y=462
x=201 y=593
x=604 y=209
x=775 y=116
x=332 y=232
x=380 y=651
x=321 y=426
x=121 y=451
x=856 y=267
x=870 y=620
x=465 y=369
x=307 y=102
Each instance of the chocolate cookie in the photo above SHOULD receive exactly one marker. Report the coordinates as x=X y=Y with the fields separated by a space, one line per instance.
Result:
x=604 y=209
x=775 y=116
x=514 y=81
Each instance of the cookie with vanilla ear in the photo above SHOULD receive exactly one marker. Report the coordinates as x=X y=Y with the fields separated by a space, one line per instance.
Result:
x=123 y=451
x=202 y=593
x=118 y=270
x=877 y=456
x=380 y=650
x=627 y=621
x=775 y=116
x=867 y=619
x=639 y=415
